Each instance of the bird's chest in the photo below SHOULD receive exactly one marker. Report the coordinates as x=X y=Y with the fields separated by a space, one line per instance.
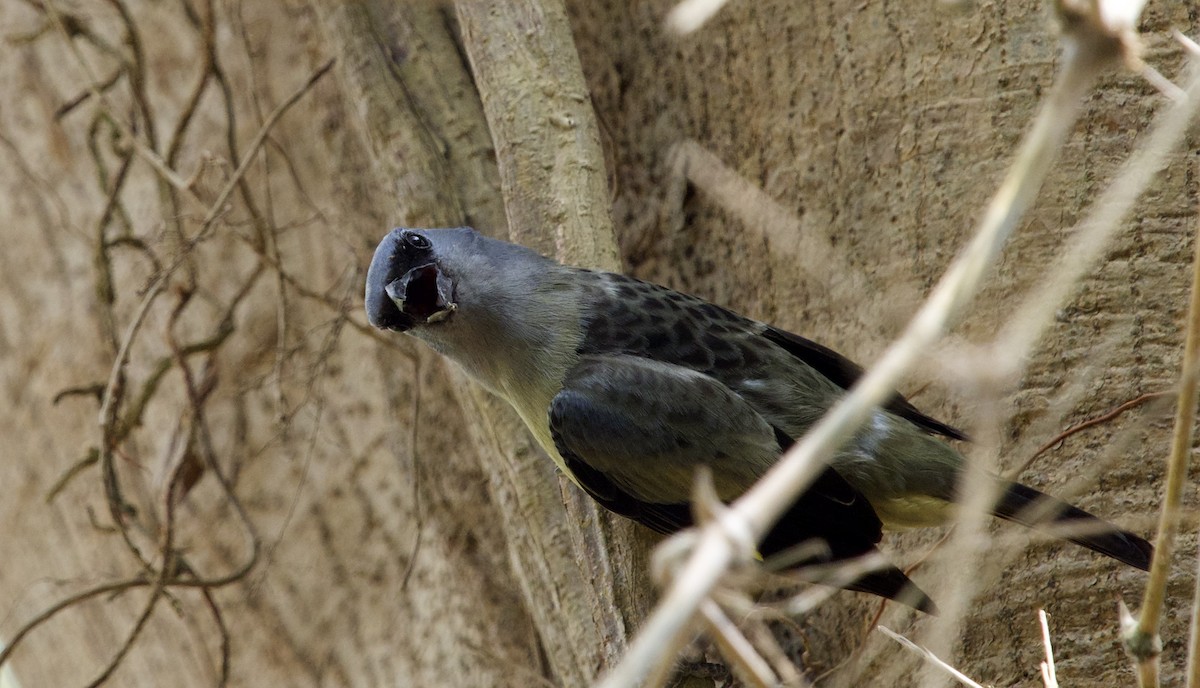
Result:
x=531 y=399
x=526 y=377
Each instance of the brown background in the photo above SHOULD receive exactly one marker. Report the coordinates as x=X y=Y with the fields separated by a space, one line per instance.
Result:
x=879 y=128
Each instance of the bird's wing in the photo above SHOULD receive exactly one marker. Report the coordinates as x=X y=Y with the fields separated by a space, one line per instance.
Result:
x=647 y=426
x=844 y=373
x=634 y=431
x=635 y=317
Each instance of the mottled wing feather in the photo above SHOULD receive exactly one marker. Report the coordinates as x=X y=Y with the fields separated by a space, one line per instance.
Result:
x=647 y=425
x=633 y=433
x=626 y=426
x=844 y=373
x=626 y=435
x=643 y=319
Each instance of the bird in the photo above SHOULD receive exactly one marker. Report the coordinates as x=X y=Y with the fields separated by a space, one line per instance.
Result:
x=631 y=387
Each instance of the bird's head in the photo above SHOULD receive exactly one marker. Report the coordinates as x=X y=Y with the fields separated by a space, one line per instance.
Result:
x=408 y=284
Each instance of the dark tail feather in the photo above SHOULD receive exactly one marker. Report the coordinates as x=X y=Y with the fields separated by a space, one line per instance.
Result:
x=1027 y=506
x=891 y=583
x=886 y=581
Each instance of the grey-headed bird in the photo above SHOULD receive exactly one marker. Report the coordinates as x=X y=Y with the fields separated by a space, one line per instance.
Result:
x=630 y=387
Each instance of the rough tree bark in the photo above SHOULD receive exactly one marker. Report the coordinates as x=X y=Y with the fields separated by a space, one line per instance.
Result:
x=411 y=532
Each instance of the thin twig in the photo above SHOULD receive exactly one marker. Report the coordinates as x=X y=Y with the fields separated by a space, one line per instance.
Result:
x=166 y=572
x=322 y=362
x=1049 y=673
x=156 y=594
x=65 y=603
x=746 y=663
x=1113 y=451
x=66 y=108
x=1142 y=641
x=217 y=206
x=1093 y=234
x=133 y=134
x=155 y=289
x=91 y=458
x=222 y=631
x=930 y=657
x=214 y=211
x=759 y=633
x=231 y=142
x=1176 y=478
x=1084 y=425
x=175 y=141
x=137 y=71
x=147 y=153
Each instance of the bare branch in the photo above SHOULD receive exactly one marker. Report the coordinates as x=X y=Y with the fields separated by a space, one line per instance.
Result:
x=930 y=657
x=1142 y=641
x=747 y=663
x=1049 y=673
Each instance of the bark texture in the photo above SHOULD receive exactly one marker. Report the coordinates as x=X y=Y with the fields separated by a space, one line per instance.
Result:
x=815 y=166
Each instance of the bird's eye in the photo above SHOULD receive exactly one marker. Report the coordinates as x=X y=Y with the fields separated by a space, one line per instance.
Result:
x=416 y=241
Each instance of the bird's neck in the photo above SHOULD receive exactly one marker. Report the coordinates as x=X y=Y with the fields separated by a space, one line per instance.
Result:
x=518 y=345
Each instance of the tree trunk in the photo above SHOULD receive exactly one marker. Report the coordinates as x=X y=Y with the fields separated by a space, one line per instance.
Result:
x=812 y=166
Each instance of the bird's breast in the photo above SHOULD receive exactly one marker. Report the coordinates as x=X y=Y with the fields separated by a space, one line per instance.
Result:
x=532 y=403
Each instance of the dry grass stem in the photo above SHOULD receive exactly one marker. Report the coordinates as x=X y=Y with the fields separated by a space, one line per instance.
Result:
x=1142 y=641
x=747 y=664
x=933 y=659
x=1176 y=477
x=1093 y=235
x=1049 y=673
x=758 y=211
x=761 y=636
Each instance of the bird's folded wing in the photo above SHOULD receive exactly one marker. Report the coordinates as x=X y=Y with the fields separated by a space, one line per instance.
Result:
x=634 y=431
x=844 y=373
x=648 y=425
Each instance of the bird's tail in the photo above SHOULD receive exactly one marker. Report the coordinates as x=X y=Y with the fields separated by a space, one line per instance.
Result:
x=891 y=583
x=868 y=573
x=1025 y=505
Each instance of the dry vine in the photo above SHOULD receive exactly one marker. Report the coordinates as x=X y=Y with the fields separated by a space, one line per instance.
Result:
x=114 y=107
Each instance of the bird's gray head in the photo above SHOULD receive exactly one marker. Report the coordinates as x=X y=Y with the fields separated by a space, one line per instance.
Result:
x=420 y=278
x=408 y=284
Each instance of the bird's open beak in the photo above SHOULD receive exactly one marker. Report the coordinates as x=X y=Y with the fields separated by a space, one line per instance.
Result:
x=424 y=293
